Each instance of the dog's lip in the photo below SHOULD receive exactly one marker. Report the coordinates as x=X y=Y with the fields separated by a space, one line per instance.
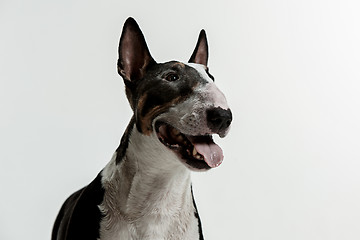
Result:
x=200 y=150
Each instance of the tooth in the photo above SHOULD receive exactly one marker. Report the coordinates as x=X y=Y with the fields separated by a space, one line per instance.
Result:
x=175 y=132
x=194 y=152
x=199 y=157
x=179 y=138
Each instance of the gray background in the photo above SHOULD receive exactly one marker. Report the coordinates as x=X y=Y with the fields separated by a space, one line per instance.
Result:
x=290 y=71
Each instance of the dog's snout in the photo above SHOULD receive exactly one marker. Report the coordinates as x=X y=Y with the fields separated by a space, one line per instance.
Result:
x=219 y=119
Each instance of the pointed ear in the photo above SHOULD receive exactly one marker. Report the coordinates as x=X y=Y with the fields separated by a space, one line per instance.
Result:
x=134 y=55
x=201 y=52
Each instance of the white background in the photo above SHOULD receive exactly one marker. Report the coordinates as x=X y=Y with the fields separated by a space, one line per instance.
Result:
x=290 y=71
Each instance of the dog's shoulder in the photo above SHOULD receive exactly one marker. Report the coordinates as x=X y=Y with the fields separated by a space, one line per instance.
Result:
x=79 y=217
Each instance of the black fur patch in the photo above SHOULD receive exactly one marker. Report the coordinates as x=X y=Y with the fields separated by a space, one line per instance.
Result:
x=154 y=94
x=201 y=236
x=124 y=143
x=80 y=217
x=210 y=76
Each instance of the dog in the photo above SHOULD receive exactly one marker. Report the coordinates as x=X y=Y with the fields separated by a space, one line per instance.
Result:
x=145 y=191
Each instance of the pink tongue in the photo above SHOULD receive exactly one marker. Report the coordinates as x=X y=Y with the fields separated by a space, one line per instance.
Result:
x=212 y=153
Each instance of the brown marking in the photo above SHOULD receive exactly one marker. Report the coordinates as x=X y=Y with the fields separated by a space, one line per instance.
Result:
x=129 y=97
x=141 y=103
x=146 y=121
x=182 y=65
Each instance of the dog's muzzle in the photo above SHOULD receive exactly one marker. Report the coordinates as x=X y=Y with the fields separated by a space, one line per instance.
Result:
x=197 y=149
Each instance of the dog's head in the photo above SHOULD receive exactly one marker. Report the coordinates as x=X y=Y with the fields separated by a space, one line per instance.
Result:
x=177 y=102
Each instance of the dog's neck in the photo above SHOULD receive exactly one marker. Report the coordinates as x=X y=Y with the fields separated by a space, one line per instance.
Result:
x=148 y=182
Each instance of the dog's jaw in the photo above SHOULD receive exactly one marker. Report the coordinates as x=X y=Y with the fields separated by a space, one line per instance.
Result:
x=198 y=153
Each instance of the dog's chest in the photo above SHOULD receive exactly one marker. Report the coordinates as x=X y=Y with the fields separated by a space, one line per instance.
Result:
x=147 y=208
x=151 y=228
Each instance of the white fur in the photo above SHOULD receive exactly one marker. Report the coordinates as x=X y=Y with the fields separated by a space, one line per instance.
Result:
x=217 y=97
x=201 y=69
x=147 y=195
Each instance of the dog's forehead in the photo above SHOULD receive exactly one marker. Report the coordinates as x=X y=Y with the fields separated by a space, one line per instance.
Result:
x=201 y=69
x=191 y=69
x=171 y=65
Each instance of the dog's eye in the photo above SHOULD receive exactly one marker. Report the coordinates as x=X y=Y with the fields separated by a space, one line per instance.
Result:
x=172 y=77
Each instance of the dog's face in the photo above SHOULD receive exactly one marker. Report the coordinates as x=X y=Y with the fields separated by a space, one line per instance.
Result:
x=178 y=102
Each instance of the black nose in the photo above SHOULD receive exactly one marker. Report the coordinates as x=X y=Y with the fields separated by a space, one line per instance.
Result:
x=218 y=119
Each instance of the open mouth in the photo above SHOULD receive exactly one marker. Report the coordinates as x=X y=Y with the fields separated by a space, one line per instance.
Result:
x=198 y=152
